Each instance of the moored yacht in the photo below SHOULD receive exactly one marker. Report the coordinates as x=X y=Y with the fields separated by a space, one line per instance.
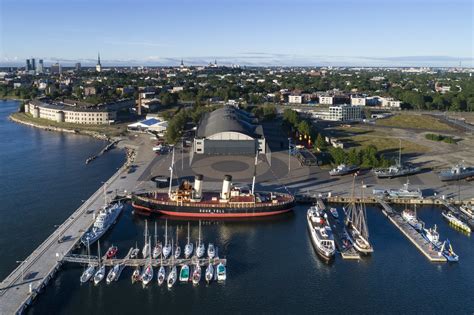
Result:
x=87 y=274
x=209 y=272
x=184 y=273
x=468 y=211
x=211 y=251
x=321 y=233
x=197 y=274
x=105 y=219
x=221 y=272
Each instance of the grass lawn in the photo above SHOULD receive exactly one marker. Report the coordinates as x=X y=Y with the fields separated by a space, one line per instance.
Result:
x=414 y=121
x=109 y=130
x=385 y=143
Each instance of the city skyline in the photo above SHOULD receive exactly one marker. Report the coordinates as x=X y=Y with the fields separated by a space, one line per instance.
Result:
x=259 y=33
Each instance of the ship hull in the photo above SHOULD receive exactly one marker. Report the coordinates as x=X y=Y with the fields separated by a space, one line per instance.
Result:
x=399 y=174
x=447 y=177
x=211 y=212
x=325 y=255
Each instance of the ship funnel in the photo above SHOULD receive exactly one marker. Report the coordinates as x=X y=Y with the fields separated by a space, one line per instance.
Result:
x=226 y=187
x=198 y=186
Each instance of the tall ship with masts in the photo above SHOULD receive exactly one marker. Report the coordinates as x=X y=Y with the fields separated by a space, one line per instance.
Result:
x=356 y=225
x=398 y=169
x=190 y=200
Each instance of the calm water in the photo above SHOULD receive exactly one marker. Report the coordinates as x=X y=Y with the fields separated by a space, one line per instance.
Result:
x=272 y=267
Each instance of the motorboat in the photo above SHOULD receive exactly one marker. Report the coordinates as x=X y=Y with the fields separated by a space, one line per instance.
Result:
x=106 y=217
x=455 y=221
x=221 y=272
x=321 y=233
x=184 y=273
x=111 y=252
x=334 y=213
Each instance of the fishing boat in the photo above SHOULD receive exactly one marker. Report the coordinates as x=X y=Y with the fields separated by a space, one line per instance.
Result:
x=166 y=250
x=158 y=247
x=209 y=272
x=432 y=236
x=177 y=249
x=100 y=273
x=197 y=274
x=448 y=252
x=410 y=217
x=455 y=221
x=90 y=270
x=221 y=272
x=468 y=211
x=146 y=247
x=189 y=247
x=343 y=169
x=356 y=225
x=321 y=233
x=184 y=273
x=136 y=275
x=190 y=200
x=334 y=213
x=161 y=273
x=111 y=252
x=200 y=248
x=112 y=274
x=211 y=251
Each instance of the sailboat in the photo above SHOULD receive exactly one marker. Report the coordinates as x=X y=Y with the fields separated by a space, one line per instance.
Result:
x=356 y=225
x=100 y=273
x=209 y=272
x=135 y=252
x=177 y=250
x=200 y=248
x=147 y=274
x=173 y=273
x=161 y=273
x=112 y=274
x=189 y=247
x=146 y=247
x=158 y=248
x=166 y=248
x=89 y=272
x=197 y=274
x=136 y=275
x=211 y=251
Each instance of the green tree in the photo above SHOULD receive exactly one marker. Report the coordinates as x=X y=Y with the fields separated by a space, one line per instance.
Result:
x=337 y=155
x=353 y=157
x=321 y=143
x=304 y=128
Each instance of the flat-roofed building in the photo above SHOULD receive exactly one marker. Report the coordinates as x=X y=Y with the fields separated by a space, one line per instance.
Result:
x=345 y=112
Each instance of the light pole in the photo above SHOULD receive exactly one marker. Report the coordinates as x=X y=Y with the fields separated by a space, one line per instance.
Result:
x=23 y=262
x=289 y=155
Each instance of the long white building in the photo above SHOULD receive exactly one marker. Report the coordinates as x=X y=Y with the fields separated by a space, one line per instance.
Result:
x=345 y=113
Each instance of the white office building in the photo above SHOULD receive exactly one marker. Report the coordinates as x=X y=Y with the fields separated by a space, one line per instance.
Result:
x=345 y=112
x=295 y=99
x=357 y=100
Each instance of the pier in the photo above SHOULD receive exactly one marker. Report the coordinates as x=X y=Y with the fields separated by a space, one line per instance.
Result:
x=413 y=235
x=339 y=235
x=21 y=287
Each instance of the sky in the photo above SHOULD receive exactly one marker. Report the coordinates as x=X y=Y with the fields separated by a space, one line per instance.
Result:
x=244 y=32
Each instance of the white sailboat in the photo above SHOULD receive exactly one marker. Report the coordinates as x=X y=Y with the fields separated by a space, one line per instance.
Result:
x=211 y=251
x=209 y=272
x=112 y=274
x=189 y=247
x=100 y=273
x=197 y=274
x=136 y=275
x=146 y=247
x=89 y=272
x=161 y=273
x=172 y=276
x=147 y=274
x=177 y=249
x=200 y=248
x=158 y=248
x=167 y=247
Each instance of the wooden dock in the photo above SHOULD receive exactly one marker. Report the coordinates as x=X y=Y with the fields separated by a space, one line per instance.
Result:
x=339 y=235
x=413 y=235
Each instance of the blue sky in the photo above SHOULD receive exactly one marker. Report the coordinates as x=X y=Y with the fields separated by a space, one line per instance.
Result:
x=258 y=32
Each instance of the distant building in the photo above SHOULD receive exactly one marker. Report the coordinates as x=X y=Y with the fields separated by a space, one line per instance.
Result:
x=345 y=112
x=326 y=99
x=76 y=112
x=358 y=100
x=78 y=66
x=56 y=68
x=152 y=124
x=90 y=90
x=295 y=99
x=40 y=68
x=33 y=64
x=390 y=102
x=98 y=66
x=28 y=65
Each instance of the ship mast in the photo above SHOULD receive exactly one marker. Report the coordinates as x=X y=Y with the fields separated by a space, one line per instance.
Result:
x=350 y=215
x=364 y=230
x=400 y=154
x=254 y=173
x=171 y=173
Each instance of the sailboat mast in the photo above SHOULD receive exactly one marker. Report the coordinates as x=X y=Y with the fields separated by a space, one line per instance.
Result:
x=199 y=239
x=400 y=154
x=254 y=172
x=188 y=233
x=171 y=173
x=156 y=236
x=166 y=233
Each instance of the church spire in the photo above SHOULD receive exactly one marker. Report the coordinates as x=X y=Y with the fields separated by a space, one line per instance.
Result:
x=98 y=58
